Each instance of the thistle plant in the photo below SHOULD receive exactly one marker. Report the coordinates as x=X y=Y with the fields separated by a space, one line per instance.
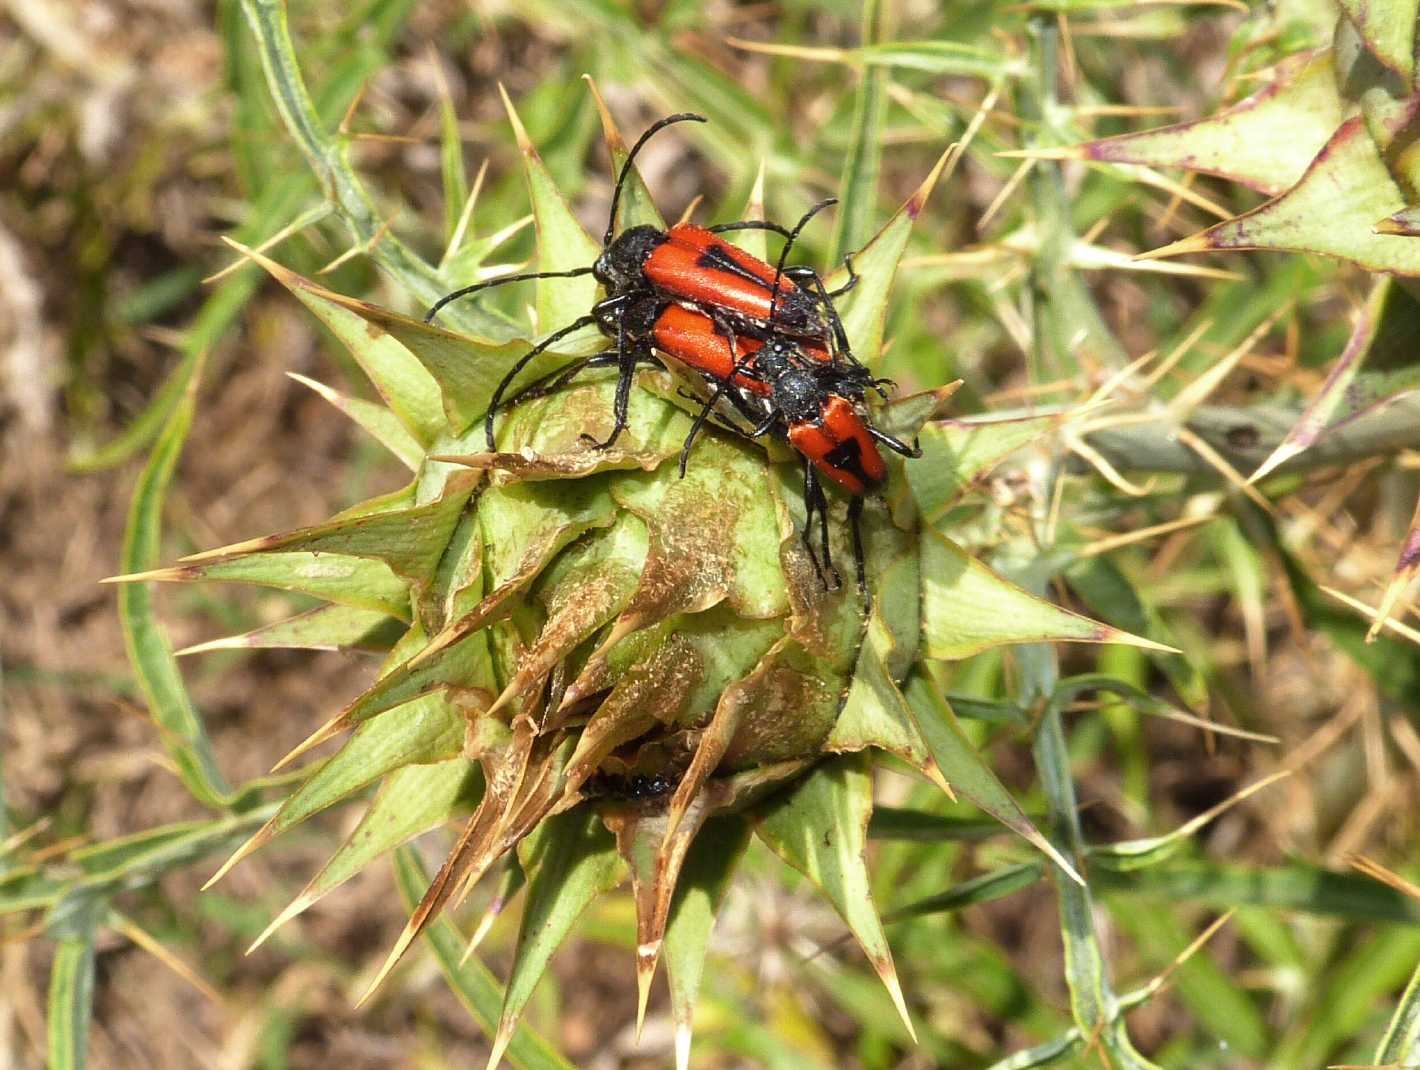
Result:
x=597 y=677
x=568 y=624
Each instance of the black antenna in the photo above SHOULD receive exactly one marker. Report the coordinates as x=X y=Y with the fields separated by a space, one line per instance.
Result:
x=680 y=117
x=789 y=244
x=499 y=281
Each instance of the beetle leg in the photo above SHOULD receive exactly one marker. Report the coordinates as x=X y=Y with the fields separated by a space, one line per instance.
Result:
x=706 y=411
x=852 y=278
x=621 y=407
x=896 y=444
x=855 y=518
x=816 y=504
x=555 y=381
x=522 y=362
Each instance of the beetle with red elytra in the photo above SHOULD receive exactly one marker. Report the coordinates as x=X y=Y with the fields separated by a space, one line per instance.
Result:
x=776 y=351
x=689 y=265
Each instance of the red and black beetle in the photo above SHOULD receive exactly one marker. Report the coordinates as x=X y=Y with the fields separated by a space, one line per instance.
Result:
x=818 y=406
x=689 y=265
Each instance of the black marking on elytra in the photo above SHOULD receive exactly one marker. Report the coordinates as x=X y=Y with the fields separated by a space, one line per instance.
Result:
x=717 y=257
x=847 y=456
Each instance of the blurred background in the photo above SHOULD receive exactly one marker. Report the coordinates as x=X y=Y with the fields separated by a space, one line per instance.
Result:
x=134 y=134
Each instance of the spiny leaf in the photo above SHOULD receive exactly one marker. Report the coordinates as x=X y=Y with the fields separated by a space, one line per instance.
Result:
x=714 y=536
x=350 y=581
x=1331 y=210
x=323 y=628
x=637 y=206
x=466 y=369
x=958 y=454
x=1389 y=313
x=570 y=862
x=410 y=541
x=544 y=438
x=864 y=308
x=967 y=608
x=422 y=732
x=470 y=980
x=1388 y=28
x=875 y=715
x=379 y=422
x=1266 y=142
x=712 y=860
x=562 y=244
x=411 y=801
x=407 y=388
x=819 y=827
x=1406 y=569
x=966 y=771
x=654 y=853
x=583 y=589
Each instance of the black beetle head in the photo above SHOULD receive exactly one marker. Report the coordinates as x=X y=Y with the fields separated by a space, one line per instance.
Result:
x=619 y=267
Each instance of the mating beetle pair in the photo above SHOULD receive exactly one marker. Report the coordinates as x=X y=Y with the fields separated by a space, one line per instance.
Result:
x=766 y=340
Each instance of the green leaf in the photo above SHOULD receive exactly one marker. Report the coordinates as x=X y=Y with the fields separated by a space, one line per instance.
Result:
x=150 y=653
x=967 y=608
x=1345 y=1000
x=406 y=386
x=1267 y=141
x=965 y=770
x=1390 y=313
x=410 y=541
x=466 y=369
x=426 y=731
x=736 y=555
x=1401 y=1043
x=1093 y=1004
x=128 y=861
x=26 y=888
x=451 y=166
x=875 y=714
x=71 y=1002
x=637 y=206
x=562 y=244
x=714 y=855
x=382 y=424
x=937 y=57
x=1290 y=887
x=359 y=583
x=570 y=861
x=858 y=183
x=411 y=801
x=1108 y=593
x=999 y=883
x=323 y=628
x=1332 y=210
x=820 y=828
x=864 y=308
x=958 y=454
x=471 y=981
x=1388 y=28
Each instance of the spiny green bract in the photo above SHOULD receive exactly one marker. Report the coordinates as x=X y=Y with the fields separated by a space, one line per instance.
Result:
x=560 y=619
x=1331 y=139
